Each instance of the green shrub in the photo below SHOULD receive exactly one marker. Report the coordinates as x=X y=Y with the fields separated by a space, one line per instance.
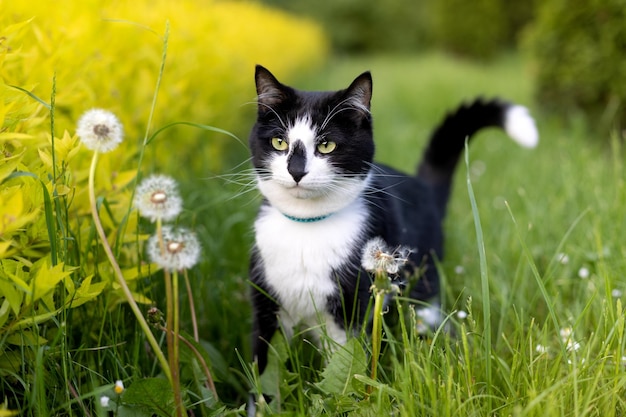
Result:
x=578 y=57
x=357 y=26
x=58 y=290
x=478 y=29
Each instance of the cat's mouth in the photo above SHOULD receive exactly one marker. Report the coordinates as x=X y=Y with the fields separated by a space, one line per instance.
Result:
x=302 y=192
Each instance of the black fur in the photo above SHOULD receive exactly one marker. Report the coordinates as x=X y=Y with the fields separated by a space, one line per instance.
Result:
x=403 y=209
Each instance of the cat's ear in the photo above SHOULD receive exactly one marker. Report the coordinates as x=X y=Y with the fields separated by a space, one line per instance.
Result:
x=359 y=94
x=269 y=91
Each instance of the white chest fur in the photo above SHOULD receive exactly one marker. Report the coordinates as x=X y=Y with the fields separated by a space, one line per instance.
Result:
x=299 y=258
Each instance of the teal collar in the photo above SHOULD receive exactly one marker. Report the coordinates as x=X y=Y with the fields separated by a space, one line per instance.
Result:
x=307 y=219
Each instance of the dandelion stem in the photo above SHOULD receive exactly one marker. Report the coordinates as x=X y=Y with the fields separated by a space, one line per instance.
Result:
x=205 y=367
x=377 y=325
x=170 y=323
x=118 y=272
x=176 y=314
x=192 y=308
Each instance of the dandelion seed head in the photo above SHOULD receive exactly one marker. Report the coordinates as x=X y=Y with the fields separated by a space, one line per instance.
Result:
x=181 y=249
x=100 y=130
x=157 y=197
x=378 y=257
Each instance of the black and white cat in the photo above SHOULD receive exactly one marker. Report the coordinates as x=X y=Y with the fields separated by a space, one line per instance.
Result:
x=325 y=198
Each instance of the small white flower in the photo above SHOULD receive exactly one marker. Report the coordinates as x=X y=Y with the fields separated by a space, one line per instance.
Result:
x=583 y=273
x=459 y=270
x=100 y=130
x=461 y=315
x=616 y=293
x=119 y=387
x=565 y=333
x=104 y=401
x=157 y=198
x=572 y=345
x=431 y=315
x=541 y=349
x=181 y=249
x=378 y=257
x=567 y=336
x=563 y=258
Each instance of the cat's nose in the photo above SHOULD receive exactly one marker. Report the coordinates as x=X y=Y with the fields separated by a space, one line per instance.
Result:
x=296 y=163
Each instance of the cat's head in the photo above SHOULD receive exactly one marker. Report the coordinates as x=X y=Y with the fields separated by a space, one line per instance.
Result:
x=312 y=151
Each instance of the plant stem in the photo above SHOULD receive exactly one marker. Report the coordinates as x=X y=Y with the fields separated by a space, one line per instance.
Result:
x=377 y=326
x=118 y=272
x=203 y=364
x=192 y=308
x=170 y=323
x=176 y=325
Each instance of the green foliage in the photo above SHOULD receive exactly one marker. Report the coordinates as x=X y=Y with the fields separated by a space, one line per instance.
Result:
x=478 y=29
x=577 y=51
x=367 y=25
x=65 y=329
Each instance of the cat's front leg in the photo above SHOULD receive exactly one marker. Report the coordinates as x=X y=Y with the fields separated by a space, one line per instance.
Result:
x=265 y=324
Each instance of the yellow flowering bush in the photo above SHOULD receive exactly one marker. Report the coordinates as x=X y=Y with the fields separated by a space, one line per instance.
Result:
x=59 y=59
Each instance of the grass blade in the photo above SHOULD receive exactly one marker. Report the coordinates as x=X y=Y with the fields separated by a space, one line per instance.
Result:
x=484 y=279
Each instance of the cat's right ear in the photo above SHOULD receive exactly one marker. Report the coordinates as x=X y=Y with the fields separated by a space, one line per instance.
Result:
x=270 y=92
x=360 y=92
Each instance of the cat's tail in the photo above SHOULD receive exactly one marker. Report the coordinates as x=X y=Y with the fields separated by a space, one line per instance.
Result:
x=447 y=142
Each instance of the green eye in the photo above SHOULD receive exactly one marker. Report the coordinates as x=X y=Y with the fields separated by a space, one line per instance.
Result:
x=326 y=147
x=280 y=144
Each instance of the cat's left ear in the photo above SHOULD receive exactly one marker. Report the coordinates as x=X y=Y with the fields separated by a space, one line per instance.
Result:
x=359 y=94
x=269 y=90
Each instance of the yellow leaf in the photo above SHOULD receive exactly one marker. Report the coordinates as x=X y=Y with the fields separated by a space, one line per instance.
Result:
x=12 y=217
x=4 y=312
x=45 y=280
x=46 y=158
x=25 y=338
x=63 y=189
x=15 y=135
x=86 y=292
x=122 y=179
x=12 y=295
x=4 y=246
x=141 y=299
x=16 y=26
x=133 y=273
x=33 y=320
x=9 y=165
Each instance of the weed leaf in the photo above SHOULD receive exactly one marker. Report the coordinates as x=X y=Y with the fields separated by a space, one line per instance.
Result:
x=344 y=364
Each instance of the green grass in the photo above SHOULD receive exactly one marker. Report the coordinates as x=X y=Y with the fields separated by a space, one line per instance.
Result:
x=566 y=197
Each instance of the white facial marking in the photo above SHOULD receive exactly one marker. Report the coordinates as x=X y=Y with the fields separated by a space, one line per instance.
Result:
x=303 y=130
x=321 y=191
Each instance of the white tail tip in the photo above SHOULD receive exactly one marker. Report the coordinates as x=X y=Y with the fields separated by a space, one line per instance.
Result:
x=520 y=126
